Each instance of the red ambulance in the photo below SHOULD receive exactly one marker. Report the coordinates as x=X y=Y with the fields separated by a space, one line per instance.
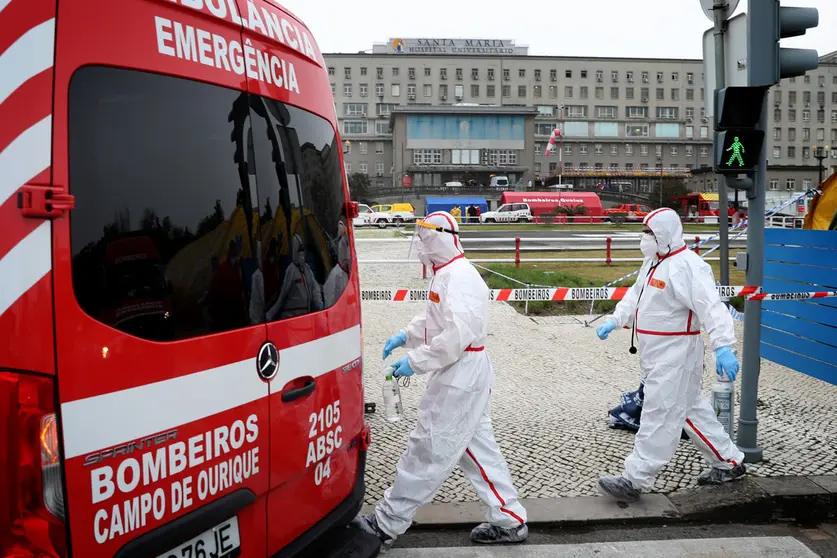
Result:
x=172 y=196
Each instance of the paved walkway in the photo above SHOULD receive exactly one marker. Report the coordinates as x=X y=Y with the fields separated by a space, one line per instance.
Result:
x=745 y=547
x=555 y=383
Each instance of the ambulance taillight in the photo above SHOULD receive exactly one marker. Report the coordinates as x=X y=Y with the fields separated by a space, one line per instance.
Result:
x=32 y=491
x=53 y=490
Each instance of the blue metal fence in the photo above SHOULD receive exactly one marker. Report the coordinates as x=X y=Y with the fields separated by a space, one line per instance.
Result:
x=801 y=335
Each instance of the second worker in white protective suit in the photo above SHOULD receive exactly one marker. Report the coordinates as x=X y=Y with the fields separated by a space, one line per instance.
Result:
x=338 y=277
x=300 y=292
x=673 y=299
x=447 y=346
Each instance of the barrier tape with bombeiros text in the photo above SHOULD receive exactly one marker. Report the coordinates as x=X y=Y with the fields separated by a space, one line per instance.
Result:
x=564 y=294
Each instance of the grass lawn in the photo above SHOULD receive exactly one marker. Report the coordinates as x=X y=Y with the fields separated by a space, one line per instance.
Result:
x=598 y=273
x=573 y=274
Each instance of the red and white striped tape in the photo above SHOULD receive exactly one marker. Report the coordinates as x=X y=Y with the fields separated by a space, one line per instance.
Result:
x=793 y=296
x=558 y=294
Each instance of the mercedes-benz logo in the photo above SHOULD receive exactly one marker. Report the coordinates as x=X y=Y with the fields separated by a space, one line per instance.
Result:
x=268 y=361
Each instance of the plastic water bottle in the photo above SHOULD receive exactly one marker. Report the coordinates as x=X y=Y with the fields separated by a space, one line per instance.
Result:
x=392 y=399
x=723 y=401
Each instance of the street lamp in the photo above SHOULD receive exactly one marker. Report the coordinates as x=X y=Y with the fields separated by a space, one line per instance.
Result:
x=820 y=153
x=660 y=159
x=561 y=144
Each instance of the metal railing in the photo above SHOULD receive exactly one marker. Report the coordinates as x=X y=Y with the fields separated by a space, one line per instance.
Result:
x=603 y=220
x=606 y=245
x=785 y=222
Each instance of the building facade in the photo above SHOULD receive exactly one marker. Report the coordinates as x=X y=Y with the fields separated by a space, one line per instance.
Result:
x=620 y=118
x=434 y=145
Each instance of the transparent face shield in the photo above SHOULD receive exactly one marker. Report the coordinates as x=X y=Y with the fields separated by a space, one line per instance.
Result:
x=421 y=236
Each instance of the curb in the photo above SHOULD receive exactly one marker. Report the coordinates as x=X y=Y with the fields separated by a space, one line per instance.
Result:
x=806 y=500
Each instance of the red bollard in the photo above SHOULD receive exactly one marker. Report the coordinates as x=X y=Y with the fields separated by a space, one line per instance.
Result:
x=609 y=243
x=517 y=252
x=423 y=271
x=697 y=245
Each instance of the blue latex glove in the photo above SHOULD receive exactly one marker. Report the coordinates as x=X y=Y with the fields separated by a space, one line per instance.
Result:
x=605 y=329
x=402 y=368
x=725 y=361
x=393 y=343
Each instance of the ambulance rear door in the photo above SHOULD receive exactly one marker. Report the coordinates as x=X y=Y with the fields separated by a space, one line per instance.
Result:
x=164 y=416
x=313 y=316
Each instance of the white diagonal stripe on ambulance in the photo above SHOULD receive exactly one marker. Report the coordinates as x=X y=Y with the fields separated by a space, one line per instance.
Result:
x=29 y=55
x=24 y=265
x=106 y=420
x=317 y=357
x=110 y=419
x=24 y=158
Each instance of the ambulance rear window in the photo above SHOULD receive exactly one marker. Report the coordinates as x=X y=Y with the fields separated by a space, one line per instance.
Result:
x=199 y=209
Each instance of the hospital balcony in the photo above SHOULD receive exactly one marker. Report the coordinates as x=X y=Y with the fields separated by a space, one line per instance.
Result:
x=676 y=172
x=466 y=169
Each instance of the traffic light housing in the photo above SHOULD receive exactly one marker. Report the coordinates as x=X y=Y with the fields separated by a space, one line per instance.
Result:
x=484 y=155
x=738 y=150
x=768 y=22
x=738 y=141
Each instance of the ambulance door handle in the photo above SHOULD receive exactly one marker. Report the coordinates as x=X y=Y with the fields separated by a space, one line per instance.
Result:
x=297 y=393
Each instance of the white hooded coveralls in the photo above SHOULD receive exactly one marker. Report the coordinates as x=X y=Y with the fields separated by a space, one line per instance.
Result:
x=673 y=298
x=446 y=344
x=300 y=292
x=338 y=277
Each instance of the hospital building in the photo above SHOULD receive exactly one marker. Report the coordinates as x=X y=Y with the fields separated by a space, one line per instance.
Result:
x=429 y=111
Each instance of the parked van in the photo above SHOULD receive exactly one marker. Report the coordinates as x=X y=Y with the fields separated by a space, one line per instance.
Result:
x=364 y=215
x=397 y=213
x=499 y=182
x=508 y=213
x=180 y=371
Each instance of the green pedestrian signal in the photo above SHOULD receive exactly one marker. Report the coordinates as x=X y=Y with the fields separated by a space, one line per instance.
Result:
x=738 y=150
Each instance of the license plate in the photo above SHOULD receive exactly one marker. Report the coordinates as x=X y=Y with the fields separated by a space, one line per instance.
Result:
x=222 y=541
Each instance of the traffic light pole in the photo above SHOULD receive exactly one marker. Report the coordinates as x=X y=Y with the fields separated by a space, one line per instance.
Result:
x=747 y=439
x=720 y=83
x=743 y=121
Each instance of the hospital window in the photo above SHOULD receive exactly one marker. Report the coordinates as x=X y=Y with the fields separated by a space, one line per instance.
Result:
x=465 y=156
x=502 y=157
x=427 y=156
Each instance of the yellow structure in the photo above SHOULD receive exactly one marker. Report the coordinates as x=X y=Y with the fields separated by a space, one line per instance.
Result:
x=822 y=211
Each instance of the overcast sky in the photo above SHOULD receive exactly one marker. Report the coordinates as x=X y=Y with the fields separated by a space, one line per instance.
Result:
x=622 y=28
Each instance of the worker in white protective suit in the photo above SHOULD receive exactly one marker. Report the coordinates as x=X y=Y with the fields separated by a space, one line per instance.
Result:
x=446 y=344
x=300 y=293
x=338 y=278
x=673 y=299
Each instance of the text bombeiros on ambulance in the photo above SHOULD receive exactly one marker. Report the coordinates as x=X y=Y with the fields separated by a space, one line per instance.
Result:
x=168 y=461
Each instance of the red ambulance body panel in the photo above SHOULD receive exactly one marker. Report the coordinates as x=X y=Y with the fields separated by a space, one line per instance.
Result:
x=25 y=110
x=171 y=200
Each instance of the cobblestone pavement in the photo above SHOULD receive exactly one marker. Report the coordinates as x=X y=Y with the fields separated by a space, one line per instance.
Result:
x=555 y=384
